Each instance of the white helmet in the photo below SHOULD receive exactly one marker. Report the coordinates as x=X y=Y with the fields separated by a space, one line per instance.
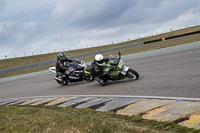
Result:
x=99 y=59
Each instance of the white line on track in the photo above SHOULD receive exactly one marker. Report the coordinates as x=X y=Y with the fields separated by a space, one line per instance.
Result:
x=117 y=96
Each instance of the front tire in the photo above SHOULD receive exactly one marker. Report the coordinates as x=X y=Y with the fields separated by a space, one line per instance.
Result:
x=132 y=74
x=62 y=83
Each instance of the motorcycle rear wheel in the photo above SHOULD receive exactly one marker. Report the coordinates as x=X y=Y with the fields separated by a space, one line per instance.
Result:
x=132 y=74
x=88 y=78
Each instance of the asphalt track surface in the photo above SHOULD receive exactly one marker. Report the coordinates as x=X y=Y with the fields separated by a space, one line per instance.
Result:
x=168 y=72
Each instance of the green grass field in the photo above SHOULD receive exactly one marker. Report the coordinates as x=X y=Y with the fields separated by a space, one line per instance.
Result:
x=40 y=119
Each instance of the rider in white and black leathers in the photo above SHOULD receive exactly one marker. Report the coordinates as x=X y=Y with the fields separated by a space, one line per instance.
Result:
x=96 y=70
x=61 y=64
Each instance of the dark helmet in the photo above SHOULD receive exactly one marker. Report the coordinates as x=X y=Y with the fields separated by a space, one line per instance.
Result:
x=61 y=56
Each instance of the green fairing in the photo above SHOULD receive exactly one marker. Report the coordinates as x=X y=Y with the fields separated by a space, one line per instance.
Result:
x=114 y=74
x=119 y=72
x=85 y=71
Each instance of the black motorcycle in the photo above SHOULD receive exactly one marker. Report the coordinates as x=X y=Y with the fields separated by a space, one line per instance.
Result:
x=74 y=72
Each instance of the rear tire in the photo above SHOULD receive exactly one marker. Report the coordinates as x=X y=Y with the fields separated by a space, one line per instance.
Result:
x=132 y=74
x=88 y=78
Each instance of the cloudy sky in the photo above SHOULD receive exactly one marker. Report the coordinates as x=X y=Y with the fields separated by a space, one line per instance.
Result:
x=42 y=26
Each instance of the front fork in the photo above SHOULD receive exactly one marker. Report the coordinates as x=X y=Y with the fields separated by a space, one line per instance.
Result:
x=124 y=71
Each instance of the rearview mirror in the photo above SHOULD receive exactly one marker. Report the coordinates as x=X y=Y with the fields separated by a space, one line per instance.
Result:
x=119 y=53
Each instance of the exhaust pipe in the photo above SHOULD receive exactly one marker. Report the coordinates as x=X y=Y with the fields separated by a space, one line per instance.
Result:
x=58 y=79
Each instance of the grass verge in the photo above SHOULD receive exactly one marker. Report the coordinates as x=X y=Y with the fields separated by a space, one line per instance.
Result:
x=70 y=120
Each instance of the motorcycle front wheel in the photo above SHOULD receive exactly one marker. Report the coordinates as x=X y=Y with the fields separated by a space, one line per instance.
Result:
x=62 y=83
x=132 y=74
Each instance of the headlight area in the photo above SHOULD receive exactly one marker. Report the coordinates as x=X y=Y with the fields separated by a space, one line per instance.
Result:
x=121 y=64
x=82 y=64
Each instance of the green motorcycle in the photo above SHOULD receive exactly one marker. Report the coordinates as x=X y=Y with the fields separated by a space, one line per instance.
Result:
x=119 y=72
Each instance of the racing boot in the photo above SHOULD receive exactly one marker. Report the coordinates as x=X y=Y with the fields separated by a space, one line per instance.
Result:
x=101 y=81
x=58 y=77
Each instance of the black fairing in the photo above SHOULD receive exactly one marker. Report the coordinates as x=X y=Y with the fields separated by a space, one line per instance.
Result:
x=88 y=68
